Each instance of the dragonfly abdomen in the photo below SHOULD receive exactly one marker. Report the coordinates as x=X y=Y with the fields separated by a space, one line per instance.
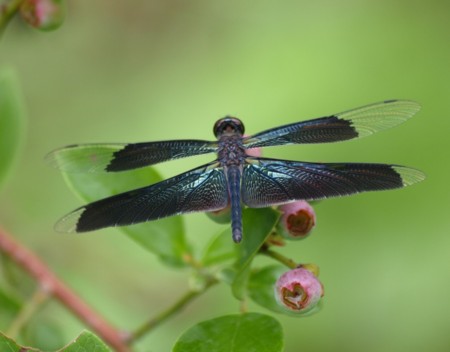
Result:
x=234 y=189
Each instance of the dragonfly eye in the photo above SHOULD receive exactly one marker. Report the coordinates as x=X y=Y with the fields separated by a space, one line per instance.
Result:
x=228 y=125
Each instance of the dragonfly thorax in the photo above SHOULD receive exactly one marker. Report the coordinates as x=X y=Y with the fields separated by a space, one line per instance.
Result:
x=231 y=151
x=228 y=125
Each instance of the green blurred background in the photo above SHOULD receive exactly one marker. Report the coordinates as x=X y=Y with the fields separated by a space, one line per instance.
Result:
x=152 y=70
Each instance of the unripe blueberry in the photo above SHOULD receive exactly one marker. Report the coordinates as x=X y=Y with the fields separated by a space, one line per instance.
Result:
x=298 y=290
x=45 y=15
x=297 y=220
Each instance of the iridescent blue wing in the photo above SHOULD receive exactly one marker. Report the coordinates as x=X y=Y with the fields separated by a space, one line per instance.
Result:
x=268 y=182
x=201 y=189
x=120 y=157
x=356 y=123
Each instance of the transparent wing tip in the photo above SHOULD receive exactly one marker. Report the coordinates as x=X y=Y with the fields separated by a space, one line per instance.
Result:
x=68 y=223
x=405 y=108
x=51 y=160
x=407 y=104
x=408 y=175
x=382 y=116
x=64 y=160
x=83 y=157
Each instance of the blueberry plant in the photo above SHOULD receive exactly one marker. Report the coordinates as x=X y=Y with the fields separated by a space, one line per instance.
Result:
x=283 y=287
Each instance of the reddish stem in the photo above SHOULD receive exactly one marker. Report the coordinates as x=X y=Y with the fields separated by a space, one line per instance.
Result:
x=55 y=287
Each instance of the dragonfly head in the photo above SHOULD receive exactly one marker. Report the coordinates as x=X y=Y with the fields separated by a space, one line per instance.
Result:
x=228 y=125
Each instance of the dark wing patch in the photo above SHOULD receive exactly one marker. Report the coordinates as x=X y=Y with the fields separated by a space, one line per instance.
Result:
x=201 y=189
x=356 y=123
x=121 y=157
x=268 y=182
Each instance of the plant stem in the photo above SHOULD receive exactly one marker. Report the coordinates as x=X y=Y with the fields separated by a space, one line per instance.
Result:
x=279 y=257
x=50 y=283
x=171 y=311
x=243 y=306
x=7 y=11
x=27 y=311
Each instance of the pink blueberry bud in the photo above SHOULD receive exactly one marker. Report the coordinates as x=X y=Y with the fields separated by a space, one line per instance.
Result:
x=43 y=14
x=298 y=290
x=297 y=220
x=255 y=152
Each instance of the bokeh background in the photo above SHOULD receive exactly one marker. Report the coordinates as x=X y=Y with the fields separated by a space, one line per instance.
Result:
x=151 y=70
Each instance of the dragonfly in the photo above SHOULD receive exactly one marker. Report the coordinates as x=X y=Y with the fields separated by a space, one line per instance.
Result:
x=235 y=178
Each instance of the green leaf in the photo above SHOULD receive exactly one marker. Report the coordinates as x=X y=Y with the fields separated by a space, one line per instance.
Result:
x=220 y=249
x=86 y=342
x=164 y=237
x=258 y=224
x=261 y=290
x=9 y=345
x=12 y=121
x=44 y=332
x=10 y=306
x=251 y=332
x=227 y=275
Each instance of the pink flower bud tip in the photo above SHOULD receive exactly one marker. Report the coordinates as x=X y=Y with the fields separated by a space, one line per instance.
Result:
x=43 y=14
x=255 y=152
x=298 y=219
x=298 y=290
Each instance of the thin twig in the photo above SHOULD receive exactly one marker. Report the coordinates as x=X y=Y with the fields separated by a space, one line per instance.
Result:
x=174 y=309
x=27 y=312
x=55 y=287
x=279 y=257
